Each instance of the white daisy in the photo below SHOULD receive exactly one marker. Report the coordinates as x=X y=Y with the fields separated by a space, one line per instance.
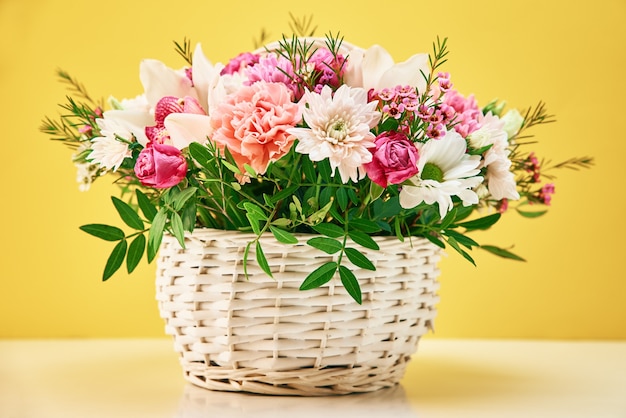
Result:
x=338 y=129
x=445 y=170
x=500 y=179
x=107 y=150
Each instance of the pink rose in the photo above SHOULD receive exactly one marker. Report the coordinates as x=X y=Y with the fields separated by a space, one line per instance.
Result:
x=394 y=159
x=160 y=166
x=253 y=122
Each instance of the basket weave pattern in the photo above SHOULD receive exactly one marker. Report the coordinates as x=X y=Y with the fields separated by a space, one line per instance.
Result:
x=264 y=335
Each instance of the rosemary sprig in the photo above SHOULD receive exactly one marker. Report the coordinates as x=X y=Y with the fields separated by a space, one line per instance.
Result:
x=184 y=50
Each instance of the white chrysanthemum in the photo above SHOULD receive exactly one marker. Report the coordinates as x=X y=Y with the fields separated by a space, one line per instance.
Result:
x=339 y=129
x=500 y=179
x=445 y=170
x=107 y=150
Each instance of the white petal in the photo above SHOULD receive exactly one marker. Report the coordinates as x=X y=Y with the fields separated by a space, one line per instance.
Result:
x=185 y=128
x=353 y=76
x=158 y=81
x=135 y=121
x=406 y=73
x=376 y=61
x=202 y=73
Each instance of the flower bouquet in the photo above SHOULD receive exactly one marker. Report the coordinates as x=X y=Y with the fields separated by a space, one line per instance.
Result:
x=310 y=142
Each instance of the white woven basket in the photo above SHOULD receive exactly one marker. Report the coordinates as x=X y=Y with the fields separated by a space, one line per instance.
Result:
x=264 y=335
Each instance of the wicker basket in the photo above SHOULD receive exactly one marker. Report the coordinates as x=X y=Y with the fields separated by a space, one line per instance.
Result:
x=264 y=335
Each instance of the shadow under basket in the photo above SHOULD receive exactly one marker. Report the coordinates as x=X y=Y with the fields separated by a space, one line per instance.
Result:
x=264 y=335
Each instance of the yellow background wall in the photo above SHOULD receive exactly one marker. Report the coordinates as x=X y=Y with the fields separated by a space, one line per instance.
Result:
x=569 y=54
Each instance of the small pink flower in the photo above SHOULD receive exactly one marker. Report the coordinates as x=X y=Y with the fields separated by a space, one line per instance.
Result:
x=394 y=159
x=160 y=166
x=546 y=193
x=253 y=122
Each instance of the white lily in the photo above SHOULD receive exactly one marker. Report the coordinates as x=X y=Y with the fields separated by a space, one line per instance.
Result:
x=159 y=81
x=378 y=70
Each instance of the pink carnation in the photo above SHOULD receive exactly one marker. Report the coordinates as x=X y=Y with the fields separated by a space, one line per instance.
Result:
x=160 y=166
x=252 y=123
x=394 y=159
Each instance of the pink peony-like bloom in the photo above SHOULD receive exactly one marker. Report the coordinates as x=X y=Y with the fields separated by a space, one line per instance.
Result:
x=394 y=159
x=160 y=166
x=328 y=67
x=252 y=123
x=468 y=115
x=241 y=61
x=272 y=69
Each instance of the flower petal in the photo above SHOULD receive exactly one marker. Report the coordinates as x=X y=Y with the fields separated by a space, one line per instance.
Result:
x=185 y=128
x=376 y=61
x=158 y=81
x=406 y=73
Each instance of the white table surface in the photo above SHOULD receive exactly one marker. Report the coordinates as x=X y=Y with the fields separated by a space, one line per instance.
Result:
x=446 y=378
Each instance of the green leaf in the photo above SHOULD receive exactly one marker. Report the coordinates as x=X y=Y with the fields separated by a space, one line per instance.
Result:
x=156 y=233
x=179 y=201
x=501 y=252
x=135 y=252
x=255 y=210
x=127 y=213
x=462 y=239
x=330 y=230
x=201 y=154
x=148 y=209
x=308 y=169
x=249 y=170
x=283 y=236
x=320 y=214
x=285 y=193
x=115 y=260
x=254 y=223
x=260 y=258
x=463 y=212
x=528 y=214
x=177 y=228
x=390 y=208
x=481 y=223
x=350 y=282
x=189 y=214
x=448 y=219
x=281 y=222
x=435 y=240
x=319 y=276
x=375 y=191
x=464 y=253
x=359 y=259
x=231 y=167
x=325 y=171
x=342 y=198
x=363 y=239
x=105 y=232
x=246 y=253
x=364 y=225
x=328 y=245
